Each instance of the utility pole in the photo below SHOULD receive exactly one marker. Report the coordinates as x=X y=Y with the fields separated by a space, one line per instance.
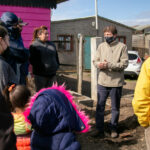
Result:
x=96 y=17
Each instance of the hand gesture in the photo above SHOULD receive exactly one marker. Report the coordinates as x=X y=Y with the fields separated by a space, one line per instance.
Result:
x=103 y=65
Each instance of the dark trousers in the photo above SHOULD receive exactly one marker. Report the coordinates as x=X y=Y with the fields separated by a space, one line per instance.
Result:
x=115 y=95
x=44 y=82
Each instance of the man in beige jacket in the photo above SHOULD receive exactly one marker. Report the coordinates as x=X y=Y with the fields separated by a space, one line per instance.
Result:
x=111 y=60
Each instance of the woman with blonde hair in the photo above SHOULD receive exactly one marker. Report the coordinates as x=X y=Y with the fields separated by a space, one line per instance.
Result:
x=43 y=58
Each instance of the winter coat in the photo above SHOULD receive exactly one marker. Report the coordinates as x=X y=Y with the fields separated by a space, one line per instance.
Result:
x=43 y=58
x=18 y=53
x=54 y=116
x=58 y=141
x=7 y=136
x=116 y=55
x=7 y=75
x=141 y=100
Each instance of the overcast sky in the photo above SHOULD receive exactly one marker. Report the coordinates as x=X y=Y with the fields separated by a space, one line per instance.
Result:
x=129 y=12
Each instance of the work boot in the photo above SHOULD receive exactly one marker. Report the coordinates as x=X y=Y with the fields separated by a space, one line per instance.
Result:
x=114 y=134
x=97 y=133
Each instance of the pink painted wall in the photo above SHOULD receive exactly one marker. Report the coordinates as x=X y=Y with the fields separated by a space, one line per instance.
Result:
x=34 y=16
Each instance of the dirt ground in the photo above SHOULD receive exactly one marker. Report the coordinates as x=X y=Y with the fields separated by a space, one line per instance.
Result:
x=131 y=135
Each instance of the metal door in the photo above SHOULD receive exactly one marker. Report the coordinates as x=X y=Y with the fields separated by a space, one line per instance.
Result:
x=87 y=53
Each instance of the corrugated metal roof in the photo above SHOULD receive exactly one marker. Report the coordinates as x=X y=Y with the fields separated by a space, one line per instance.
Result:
x=32 y=3
x=67 y=20
x=141 y=27
x=147 y=32
x=60 y=1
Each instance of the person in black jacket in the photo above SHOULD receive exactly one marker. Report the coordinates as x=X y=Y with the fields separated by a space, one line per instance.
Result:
x=18 y=54
x=43 y=58
x=7 y=136
x=7 y=75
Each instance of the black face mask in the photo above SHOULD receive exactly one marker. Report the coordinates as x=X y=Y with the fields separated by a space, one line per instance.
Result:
x=15 y=32
x=6 y=53
x=110 y=39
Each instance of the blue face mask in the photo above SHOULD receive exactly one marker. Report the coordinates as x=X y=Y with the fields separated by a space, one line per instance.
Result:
x=109 y=39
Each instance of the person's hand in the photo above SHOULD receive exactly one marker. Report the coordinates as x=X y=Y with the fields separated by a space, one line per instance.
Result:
x=103 y=65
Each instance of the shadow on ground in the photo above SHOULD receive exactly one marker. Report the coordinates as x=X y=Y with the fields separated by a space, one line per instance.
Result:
x=127 y=138
x=71 y=84
x=131 y=134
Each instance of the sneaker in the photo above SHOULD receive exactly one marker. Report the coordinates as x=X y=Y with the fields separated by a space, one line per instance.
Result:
x=97 y=133
x=114 y=134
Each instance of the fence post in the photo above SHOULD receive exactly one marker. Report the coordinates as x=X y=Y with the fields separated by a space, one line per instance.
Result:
x=80 y=64
x=77 y=57
x=94 y=44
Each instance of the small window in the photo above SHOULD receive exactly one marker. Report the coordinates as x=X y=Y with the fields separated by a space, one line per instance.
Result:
x=65 y=42
x=121 y=39
x=132 y=56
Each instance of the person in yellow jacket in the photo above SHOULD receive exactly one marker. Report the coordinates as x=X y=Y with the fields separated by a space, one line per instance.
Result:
x=141 y=100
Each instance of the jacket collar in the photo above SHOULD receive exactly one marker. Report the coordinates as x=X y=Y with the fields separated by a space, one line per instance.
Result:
x=113 y=43
x=1 y=57
x=38 y=40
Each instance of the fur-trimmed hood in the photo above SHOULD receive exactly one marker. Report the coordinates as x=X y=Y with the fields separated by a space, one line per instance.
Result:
x=52 y=110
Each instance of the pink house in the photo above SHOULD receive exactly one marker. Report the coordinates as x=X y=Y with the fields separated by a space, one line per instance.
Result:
x=35 y=12
x=34 y=16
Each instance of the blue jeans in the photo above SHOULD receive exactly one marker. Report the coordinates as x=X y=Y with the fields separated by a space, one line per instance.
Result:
x=115 y=95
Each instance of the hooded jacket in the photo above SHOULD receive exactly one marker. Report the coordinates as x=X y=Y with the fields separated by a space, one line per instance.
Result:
x=18 y=53
x=141 y=100
x=54 y=116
